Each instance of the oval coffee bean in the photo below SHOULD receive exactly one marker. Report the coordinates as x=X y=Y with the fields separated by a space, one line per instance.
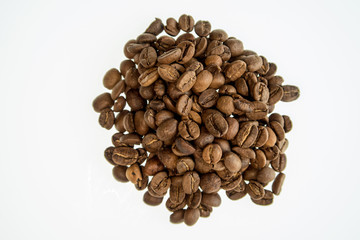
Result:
x=125 y=156
x=190 y=182
x=291 y=93
x=186 y=81
x=210 y=183
x=277 y=184
x=167 y=129
x=177 y=216
x=255 y=190
x=191 y=216
x=102 y=101
x=152 y=201
x=211 y=199
x=168 y=73
x=266 y=200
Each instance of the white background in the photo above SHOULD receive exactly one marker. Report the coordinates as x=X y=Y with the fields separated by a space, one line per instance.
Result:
x=54 y=181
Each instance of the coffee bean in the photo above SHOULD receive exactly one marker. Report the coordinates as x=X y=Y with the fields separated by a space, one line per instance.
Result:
x=177 y=194
x=125 y=156
x=226 y=105
x=119 y=173
x=148 y=57
x=255 y=190
x=185 y=164
x=205 y=210
x=107 y=118
x=260 y=92
x=193 y=200
x=247 y=135
x=277 y=184
x=159 y=185
x=202 y=28
x=111 y=77
x=190 y=182
x=189 y=130
x=172 y=27
x=183 y=106
x=191 y=216
x=175 y=206
x=234 y=195
x=167 y=130
x=265 y=175
x=203 y=81
x=232 y=162
x=148 y=77
x=266 y=200
x=278 y=130
x=184 y=147
x=287 y=123
x=151 y=142
x=210 y=183
x=291 y=93
x=102 y=101
x=152 y=201
x=204 y=139
x=168 y=158
x=187 y=51
x=208 y=98
x=186 y=81
x=186 y=23
x=168 y=73
x=212 y=153
x=211 y=199
x=177 y=216
x=276 y=94
x=215 y=123
x=200 y=46
x=235 y=70
x=170 y=56
x=153 y=166
x=156 y=27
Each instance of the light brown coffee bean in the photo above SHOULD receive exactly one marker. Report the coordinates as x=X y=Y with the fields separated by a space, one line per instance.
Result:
x=186 y=81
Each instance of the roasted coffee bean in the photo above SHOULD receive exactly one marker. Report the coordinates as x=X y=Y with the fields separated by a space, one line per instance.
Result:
x=152 y=201
x=276 y=94
x=149 y=118
x=193 y=200
x=202 y=28
x=204 y=139
x=200 y=47
x=184 y=147
x=255 y=190
x=111 y=77
x=187 y=51
x=235 y=70
x=174 y=206
x=102 y=101
x=125 y=156
x=265 y=175
x=247 y=135
x=153 y=166
x=183 y=105
x=151 y=142
x=235 y=45
x=205 y=210
x=177 y=194
x=266 y=200
x=129 y=124
x=148 y=77
x=210 y=183
x=148 y=57
x=287 y=123
x=190 y=182
x=215 y=123
x=277 y=184
x=172 y=27
x=107 y=118
x=203 y=81
x=177 y=216
x=108 y=155
x=212 y=153
x=186 y=23
x=189 y=130
x=167 y=129
x=119 y=173
x=278 y=130
x=168 y=158
x=234 y=195
x=159 y=184
x=211 y=199
x=253 y=62
x=224 y=144
x=260 y=92
x=291 y=93
x=185 y=164
x=156 y=27
x=133 y=173
x=191 y=216
x=170 y=56
x=208 y=98
x=226 y=105
x=168 y=73
x=186 y=81
x=232 y=162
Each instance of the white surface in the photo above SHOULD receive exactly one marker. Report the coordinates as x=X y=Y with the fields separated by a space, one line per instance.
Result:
x=54 y=181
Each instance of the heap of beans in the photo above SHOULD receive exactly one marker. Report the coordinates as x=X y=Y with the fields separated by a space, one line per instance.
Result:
x=196 y=119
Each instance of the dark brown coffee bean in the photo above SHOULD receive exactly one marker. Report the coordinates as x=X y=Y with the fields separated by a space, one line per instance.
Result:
x=152 y=201
x=272 y=138
x=125 y=65
x=162 y=116
x=129 y=124
x=255 y=190
x=148 y=77
x=156 y=27
x=119 y=173
x=224 y=144
x=200 y=46
x=291 y=93
x=253 y=62
x=276 y=117
x=277 y=184
x=232 y=182
x=202 y=28
x=119 y=104
x=262 y=137
x=146 y=38
x=184 y=147
x=218 y=34
x=203 y=81
x=271 y=153
x=151 y=142
x=276 y=94
x=194 y=200
x=215 y=123
x=102 y=101
x=185 y=164
x=287 y=123
x=159 y=184
x=260 y=160
x=153 y=166
x=204 y=139
x=190 y=182
x=172 y=27
x=108 y=155
x=278 y=129
x=234 y=195
x=187 y=51
x=186 y=23
x=136 y=48
x=118 y=89
x=119 y=121
x=266 y=200
x=260 y=92
x=168 y=158
x=210 y=183
x=125 y=156
x=189 y=130
x=283 y=145
x=191 y=216
x=227 y=90
x=168 y=73
x=148 y=57
x=170 y=56
x=107 y=118
x=247 y=135
x=177 y=216
x=167 y=130
x=225 y=104
x=233 y=128
x=212 y=153
x=140 y=125
x=186 y=81
x=176 y=194
x=174 y=206
x=208 y=98
x=235 y=70
x=149 y=118
x=236 y=47
x=265 y=175
x=111 y=77
x=135 y=101
x=205 y=210
x=183 y=105
x=164 y=43
x=211 y=199
x=232 y=162
x=126 y=52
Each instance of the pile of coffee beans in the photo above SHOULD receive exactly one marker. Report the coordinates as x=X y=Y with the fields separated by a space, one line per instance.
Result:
x=199 y=119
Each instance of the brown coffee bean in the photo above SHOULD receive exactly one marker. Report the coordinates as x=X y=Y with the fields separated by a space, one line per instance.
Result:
x=211 y=199
x=278 y=130
x=260 y=92
x=225 y=104
x=148 y=57
x=194 y=200
x=159 y=184
x=212 y=153
x=152 y=201
x=272 y=138
x=265 y=175
x=118 y=89
x=186 y=81
x=255 y=190
x=232 y=162
x=204 y=139
x=173 y=207
x=129 y=124
x=187 y=51
x=125 y=65
x=186 y=23
x=224 y=144
x=262 y=137
x=291 y=93
x=189 y=130
x=172 y=27
x=153 y=166
x=183 y=105
x=203 y=81
x=266 y=200
x=185 y=164
x=102 y=101
x=205 y=210
x=247 y=135
x=202 y=28
x=133 y=173
x=277 y=184
x=168 y=73
x=111 y=77
x=235 y=45
x=210 y=183
x=208 y=98
x=287 y=123
x=253 y=62
x=107 y=118
x=184 y=147
x=170 y=56
x=218 y=34
x=151 y=142
x=149 y=118
x=125 y=156
x=191 y=216
x=168 y=158
x=233 y=128
x=177 y=216
x=167 y=129
x=190 y=182
x=130 y=139
x=119 y=173
x=135 y=101
x=215 y=123
x=108 y=155
x=235 y=70
x=234 y=195
x=156 y=27
x=148 y=77
x=200 y=46
x=276 y=94
x=176 y=194
x=260 y=160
